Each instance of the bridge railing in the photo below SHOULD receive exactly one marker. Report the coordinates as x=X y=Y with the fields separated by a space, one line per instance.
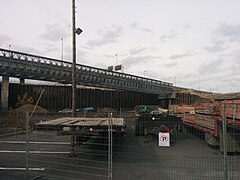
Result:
x=84 y=68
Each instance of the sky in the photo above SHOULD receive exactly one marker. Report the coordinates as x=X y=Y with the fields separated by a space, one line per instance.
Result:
x=191 y=43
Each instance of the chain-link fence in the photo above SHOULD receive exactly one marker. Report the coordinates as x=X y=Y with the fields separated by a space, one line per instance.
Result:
x=121 y=142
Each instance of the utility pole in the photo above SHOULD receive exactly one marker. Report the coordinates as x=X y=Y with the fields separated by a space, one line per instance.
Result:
x=75 y=31
x=74 y=60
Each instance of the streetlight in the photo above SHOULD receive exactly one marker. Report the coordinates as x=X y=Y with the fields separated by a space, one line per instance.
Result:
x=116 y=59
x=78 y=31
x=75 y=31
x=144 y=73
x=62 y=48
x=9 y=48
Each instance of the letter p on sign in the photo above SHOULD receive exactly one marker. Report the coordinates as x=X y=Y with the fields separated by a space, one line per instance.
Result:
x=164 y=139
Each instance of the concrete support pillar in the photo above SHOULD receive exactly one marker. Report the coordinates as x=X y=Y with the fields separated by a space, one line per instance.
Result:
x=4 y=92
x=22 y=81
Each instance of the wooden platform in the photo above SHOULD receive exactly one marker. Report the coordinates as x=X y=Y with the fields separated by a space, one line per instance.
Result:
x=81 y=121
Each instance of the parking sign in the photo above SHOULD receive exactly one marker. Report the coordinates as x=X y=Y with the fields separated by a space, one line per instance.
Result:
x=164 y=139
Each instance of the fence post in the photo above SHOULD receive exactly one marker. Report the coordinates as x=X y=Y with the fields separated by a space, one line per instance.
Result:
x=224 y=143
x=27 y=145
x=16 y=130
x=45 y=113
x=109 y=146
x=109 y=149
x=120 y=112
x=111 y=153
x=72 y=151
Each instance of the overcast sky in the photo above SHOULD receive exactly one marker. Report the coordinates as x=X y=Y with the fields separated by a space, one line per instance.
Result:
x=191 y=43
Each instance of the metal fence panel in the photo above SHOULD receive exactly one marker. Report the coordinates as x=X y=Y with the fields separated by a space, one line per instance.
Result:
x=118 y=143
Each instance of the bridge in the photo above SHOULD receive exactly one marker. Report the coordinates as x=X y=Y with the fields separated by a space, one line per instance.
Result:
x=28 y=66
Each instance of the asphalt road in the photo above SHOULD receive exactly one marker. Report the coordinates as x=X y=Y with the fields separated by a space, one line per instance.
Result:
x=188 y=158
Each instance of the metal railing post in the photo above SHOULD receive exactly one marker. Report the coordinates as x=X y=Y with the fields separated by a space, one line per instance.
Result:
x=27 y=146
x=16 y=128
x=224 y=143
x=110 y=146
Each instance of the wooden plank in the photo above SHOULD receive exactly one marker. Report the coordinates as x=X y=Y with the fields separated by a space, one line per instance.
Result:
x=81 y=121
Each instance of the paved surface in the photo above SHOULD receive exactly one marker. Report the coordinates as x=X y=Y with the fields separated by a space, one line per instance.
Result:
x=188 y=158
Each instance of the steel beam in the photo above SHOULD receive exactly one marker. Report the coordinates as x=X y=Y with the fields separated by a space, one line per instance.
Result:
x=27 y=66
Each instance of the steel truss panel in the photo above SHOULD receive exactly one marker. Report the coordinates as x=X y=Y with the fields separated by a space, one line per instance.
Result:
x=22 y=65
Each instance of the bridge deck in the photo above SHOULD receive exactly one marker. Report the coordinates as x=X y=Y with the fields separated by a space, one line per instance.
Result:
x=28 y=66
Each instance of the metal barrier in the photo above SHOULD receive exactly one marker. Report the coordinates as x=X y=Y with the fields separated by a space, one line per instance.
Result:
x=74 y=150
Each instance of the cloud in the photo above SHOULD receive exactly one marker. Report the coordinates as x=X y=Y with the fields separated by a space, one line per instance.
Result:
x=136 y=60
x=172 y=64
x=107 y=37
x=109 y=56
x=138 y=26
x=81 y=57
x=217 y=46
x=168 y=36
x=186 y=26
x=180 y=56
x=220 y=73
x=25 y=49
x=99 y=65
x=173 y=33
x=136 y=50
x=230 y=32
x=51 y=48
x=234 y=63
x=211 y=67
x=54 y=32
x=4 y=39
x=157 y=75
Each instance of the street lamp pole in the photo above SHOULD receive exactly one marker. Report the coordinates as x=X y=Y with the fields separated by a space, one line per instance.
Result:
x=74 y=60
x=116 y=59
x=62 y=48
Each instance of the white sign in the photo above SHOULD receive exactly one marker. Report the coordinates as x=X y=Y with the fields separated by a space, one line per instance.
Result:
x=164 y=139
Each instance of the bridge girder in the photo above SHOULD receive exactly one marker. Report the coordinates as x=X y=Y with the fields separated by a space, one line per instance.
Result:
x=22 y=65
